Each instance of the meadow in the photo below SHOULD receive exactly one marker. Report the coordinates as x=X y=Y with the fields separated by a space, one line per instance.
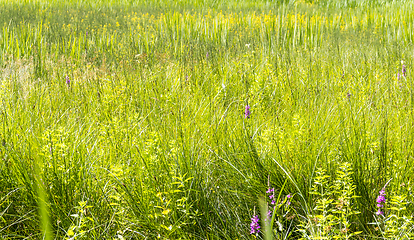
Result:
x=208 y=119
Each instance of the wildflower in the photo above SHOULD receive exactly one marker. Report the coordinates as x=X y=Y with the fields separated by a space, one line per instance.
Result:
x=379 y=212
x=288 y=197
x=380 y=201
x=398 y=76
x=381 y=197
x=404 y=71
x=254 y=226
x=247 y=111
x=269 y=214
x=348 y=95
x=67 y=80
x=272 y=195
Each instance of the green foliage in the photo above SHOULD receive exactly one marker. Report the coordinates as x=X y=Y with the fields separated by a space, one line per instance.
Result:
x=334 y=208
x=397 y=221
x=83 y=226
x=277 y=217
x=136 y=110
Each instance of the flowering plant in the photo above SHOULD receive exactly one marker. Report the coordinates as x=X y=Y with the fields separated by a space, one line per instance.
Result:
x=276 y=213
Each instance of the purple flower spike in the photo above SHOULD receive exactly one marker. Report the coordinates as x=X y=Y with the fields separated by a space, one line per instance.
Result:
x=271 y=191
x=380 y=201
x=67 y=80
x=404 y=71
x=247 y=111
x=398 y=76
x=254 y=226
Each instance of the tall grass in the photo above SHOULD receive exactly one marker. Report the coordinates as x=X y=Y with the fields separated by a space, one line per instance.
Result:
x=126 y=120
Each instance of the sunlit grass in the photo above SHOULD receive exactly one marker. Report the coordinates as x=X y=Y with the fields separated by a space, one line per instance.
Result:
x=127 y=120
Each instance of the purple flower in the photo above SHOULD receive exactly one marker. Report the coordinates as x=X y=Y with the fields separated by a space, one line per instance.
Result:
x=380 y=201
x=247 y=111
x=404 y=71
x=269 y=214
x=288 y=197
x=254 y=226
x=271 y=191
x=398 y=76
x=379 y=212
x=67 y=80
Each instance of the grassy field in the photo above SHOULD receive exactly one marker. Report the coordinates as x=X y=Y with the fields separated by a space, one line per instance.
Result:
x=206 y=119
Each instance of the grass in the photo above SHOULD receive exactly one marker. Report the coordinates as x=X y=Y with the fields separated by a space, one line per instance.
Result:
x=126 y=120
